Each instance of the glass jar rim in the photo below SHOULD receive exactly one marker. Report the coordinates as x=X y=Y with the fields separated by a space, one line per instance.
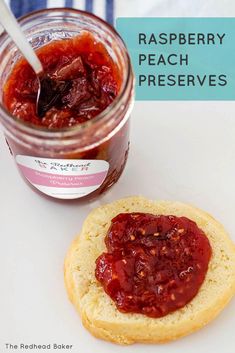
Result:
x=114 y=106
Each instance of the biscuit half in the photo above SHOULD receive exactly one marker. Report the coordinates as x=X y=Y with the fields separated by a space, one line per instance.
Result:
x=98 y=312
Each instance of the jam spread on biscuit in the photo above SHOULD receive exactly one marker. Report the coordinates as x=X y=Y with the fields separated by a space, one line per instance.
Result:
x=88 y=81
x=154 y=264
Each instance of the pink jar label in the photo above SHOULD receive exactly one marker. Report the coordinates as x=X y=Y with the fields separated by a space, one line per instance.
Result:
x=63 y=178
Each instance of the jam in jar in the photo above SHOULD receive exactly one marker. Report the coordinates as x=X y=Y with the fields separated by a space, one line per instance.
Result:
x=78 y=146
x=84 y=70
x=154 y=264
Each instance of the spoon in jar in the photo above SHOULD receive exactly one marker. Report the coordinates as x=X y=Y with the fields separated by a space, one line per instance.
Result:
x=49 y=90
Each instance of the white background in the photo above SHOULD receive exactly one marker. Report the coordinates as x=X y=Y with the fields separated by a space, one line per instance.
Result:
x=179 y=151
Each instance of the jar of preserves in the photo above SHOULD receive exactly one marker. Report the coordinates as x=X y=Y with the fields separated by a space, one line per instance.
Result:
x=79 y=148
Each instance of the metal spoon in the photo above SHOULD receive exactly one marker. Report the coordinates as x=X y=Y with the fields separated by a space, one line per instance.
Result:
x=49 y=90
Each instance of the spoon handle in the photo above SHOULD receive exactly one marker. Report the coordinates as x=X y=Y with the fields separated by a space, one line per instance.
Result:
x=14 y=30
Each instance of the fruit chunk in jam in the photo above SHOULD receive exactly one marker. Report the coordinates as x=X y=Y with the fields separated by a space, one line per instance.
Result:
x=154 y=264
x=84 y=63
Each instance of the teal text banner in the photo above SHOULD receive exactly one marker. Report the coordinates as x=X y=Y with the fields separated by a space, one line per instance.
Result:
x=181 y=58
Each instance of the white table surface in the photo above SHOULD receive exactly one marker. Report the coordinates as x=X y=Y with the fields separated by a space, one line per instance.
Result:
x=179 y=151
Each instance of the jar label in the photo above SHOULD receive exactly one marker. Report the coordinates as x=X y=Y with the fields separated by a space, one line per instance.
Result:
x=63 y=178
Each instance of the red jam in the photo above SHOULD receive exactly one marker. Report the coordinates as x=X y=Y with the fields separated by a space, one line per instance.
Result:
x=94 y=81
x=84 y=64
x=154 y=265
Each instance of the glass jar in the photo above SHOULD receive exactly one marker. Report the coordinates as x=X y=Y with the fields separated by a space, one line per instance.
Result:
x=81 y=161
